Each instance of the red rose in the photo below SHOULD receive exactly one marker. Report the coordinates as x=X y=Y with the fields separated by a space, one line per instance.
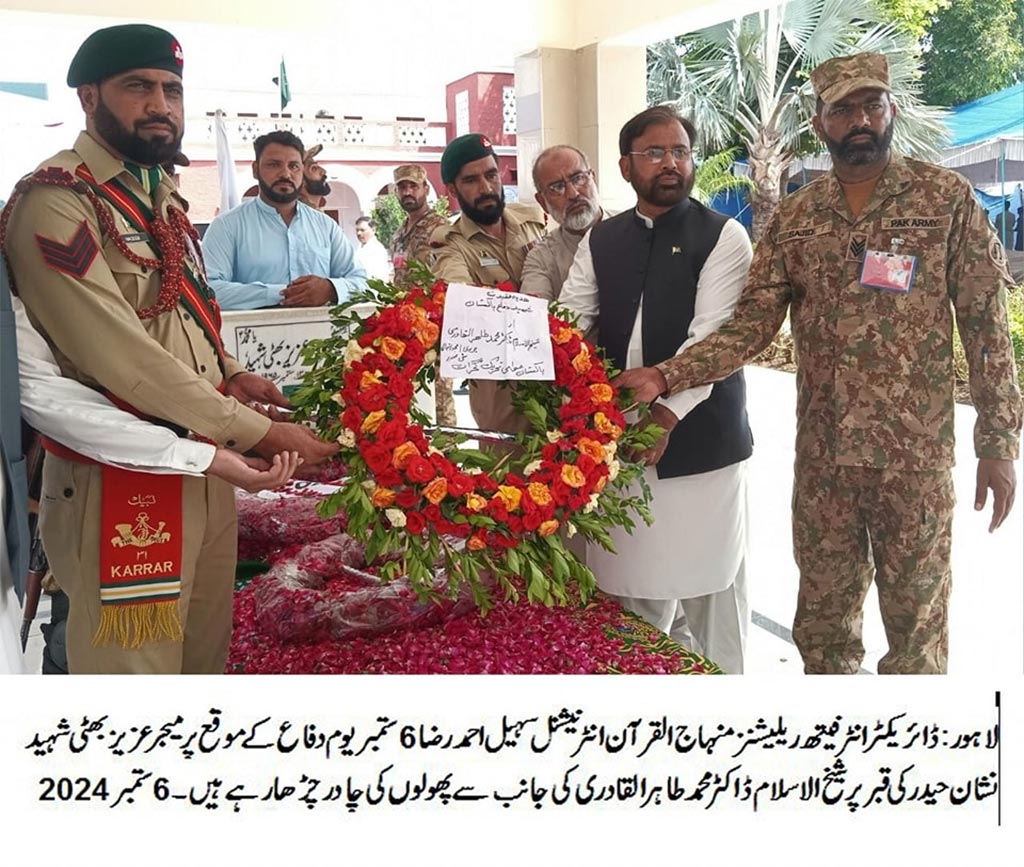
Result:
x=415 y=523
x=376 y=456
x=532 y=519
x=352 y=418
x=408 y=498
x=419 y=469
x=391 y=434
x=389 y=477
x=432 y=513
x=460 y=484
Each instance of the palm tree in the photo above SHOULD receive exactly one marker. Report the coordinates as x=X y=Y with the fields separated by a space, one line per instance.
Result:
x=714 y=175
x=747 y=81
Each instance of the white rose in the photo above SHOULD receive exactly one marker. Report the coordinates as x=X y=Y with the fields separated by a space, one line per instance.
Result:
x=591 y=504
x=570 y=530
x=613 y=470
x=353 y=353
x=554 y=436
x=531 y=468
x=430 y=356
x=396 y=517
x=347 y=438
x=369 y=484
x=472 y=471
x=337 y=398
x=609 y=451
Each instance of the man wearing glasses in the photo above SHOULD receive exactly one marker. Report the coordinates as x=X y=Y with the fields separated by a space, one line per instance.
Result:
x=656 y=279
x=567 y=191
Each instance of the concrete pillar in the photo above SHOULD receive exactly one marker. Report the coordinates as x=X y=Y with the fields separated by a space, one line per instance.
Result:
x=580 y=97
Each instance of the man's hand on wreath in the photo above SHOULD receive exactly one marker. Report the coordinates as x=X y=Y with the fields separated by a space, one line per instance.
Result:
x=648 y=383
x=1000 y=477
x=288 y=437
x=664 y=418
x=308 y=291
x=259 y=394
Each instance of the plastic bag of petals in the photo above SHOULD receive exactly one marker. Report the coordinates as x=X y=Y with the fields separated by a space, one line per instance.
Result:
x=310 y=596
x=267 y=525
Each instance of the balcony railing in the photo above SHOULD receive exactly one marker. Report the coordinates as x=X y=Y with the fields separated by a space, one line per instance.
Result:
x=330 y=132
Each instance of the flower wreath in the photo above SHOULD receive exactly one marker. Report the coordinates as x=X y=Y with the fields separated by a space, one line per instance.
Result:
x=414 y=498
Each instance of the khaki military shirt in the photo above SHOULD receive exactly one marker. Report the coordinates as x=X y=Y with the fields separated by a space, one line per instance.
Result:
x=412 y=242
x=164 y=366
x=465 y=253
x=874 y=367
x=548 y=264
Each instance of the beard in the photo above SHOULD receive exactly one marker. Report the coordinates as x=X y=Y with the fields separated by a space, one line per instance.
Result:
x=146 y=152
x=872 y=149
x=578 y=219
x=411 y=204
x=657 y=193
x=272 y=195
x=485 y=210
x=317 y=188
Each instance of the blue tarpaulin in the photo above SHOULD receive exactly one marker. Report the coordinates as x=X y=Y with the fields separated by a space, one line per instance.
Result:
x=997 y=115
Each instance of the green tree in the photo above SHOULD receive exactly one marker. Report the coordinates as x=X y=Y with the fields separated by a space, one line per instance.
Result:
x=914 y=16
x=714 y=175
x=974 y=48
x=746 y=81
x=387 y=213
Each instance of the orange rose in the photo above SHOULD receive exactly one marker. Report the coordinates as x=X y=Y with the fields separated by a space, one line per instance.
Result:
x=548 y=527
x=475 y=503
x=436 y=490
x=573 y=476
x=539 y=493
x=601 y=482
x=562 y=336
x=604 y=424
x=427 y=334
x=601 y=392
x=510 y=496
x=373 y=421
x=392 y=348
x=402 y=455
x=475 y=543
x=592 y=448
x=581 y=363
x=382 y=497
x=411 y=315
x=369 y=379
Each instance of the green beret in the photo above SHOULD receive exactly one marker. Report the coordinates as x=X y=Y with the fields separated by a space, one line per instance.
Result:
x=464 y=149
x=127 y=46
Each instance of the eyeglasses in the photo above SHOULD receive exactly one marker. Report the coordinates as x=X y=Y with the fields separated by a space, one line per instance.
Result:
x=849 y=109
x=579 y=180
x=656 y=155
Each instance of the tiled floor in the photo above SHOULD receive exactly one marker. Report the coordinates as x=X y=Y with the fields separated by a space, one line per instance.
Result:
x=985 y=614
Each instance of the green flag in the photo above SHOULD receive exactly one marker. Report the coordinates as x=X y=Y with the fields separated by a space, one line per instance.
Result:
x=282 y=85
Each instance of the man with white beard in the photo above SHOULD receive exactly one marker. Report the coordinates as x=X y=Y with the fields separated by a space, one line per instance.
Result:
x=567 y=191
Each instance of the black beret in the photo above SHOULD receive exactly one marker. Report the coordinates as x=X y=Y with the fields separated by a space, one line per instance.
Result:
x=462 y=150
x=127 y=46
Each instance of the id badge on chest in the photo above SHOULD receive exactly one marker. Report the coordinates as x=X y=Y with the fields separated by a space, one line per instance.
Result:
x=892 y=272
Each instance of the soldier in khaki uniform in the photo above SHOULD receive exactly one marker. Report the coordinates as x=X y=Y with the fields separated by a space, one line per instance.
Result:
x=485 y=246
x=567 y=191
x=108 y=268
x=874 y=262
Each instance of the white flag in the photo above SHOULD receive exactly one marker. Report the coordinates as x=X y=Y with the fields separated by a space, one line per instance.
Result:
x=229 y=197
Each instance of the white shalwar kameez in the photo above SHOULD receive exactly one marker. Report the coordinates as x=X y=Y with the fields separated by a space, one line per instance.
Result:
x=686 y=573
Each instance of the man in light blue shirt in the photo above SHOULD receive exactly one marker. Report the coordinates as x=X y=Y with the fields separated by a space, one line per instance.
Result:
x=274 y=250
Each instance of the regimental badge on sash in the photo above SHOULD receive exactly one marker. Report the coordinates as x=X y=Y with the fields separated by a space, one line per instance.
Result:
x=140 y=558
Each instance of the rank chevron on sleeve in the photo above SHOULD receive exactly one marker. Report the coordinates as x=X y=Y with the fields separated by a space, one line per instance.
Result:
x=75 y=257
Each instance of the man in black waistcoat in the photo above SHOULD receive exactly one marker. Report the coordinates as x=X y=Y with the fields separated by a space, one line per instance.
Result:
x=656 y=279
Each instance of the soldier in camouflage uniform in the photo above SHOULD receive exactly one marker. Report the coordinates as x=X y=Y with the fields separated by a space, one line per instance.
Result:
x=412 y=242
x=874 y=261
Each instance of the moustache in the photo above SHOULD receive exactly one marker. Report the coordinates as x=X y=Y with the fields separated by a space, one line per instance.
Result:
x=850 y=136
x=157 y=119
x=484 y=199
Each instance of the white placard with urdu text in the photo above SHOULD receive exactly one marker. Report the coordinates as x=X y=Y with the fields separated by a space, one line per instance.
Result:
x=491 y=334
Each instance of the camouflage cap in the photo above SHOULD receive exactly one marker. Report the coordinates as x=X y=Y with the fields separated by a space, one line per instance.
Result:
x=126 y=46
x=416 y=174
x=462 y=150
x=835 y=78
